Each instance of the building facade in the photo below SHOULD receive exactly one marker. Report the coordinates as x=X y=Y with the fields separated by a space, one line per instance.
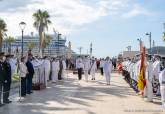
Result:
x=55 y=48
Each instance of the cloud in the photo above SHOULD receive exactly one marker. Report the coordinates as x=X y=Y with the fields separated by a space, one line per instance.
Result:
x=66 y=15
x=136 y=11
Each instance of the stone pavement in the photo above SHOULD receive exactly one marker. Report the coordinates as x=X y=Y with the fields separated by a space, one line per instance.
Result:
x=79 y=97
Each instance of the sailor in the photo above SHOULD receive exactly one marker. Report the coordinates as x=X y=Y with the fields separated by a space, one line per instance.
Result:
x=2 y=75
x=101 y=66
x=46 y=69
x=93 y=68
x=7 y=80
x=107 y=70
x=86 y=63
x=148 y=92
x=64 y=68
x=162 y=86
x=55 y=70
x=13 y=64
x=156 y=71
x=79 y=67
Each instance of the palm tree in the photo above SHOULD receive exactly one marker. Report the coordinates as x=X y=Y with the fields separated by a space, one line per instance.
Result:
x=42 y=20
x=9 y=40
x=31 y=45
x=2 y=31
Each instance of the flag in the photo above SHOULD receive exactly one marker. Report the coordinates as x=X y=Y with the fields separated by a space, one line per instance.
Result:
x=141 y=77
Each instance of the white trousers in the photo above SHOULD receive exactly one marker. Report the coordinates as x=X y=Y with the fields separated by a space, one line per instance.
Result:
x=93 y=74
x=86 y=74
x=148 y=91
x=47 y=73
x=54 y=75
x=162 y=91
x=108 y=77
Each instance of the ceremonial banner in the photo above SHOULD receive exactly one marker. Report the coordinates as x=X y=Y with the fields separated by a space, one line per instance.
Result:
x=141 y=77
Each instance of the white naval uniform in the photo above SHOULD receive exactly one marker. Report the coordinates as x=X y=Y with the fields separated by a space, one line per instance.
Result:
x=86 y=63
x=13 y=64
x=93 y=69
x=64 y=68
x=156 y=71
x=55 y=70
x=148 y=91
x=162 y=86
x=137 y=70
x=107 y=70
x=46 y=70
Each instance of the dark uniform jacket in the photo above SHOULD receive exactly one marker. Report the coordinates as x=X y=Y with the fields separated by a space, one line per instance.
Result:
x=2 y=72
x=30 y=68
x=7 y=68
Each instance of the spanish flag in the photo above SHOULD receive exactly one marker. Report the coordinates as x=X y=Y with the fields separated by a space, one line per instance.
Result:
x=141 y=77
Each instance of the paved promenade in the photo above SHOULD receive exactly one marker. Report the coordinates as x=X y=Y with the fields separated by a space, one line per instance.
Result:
x=79 y=97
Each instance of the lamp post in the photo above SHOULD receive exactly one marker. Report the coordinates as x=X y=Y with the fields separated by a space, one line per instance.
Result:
x=22 y=26
x=91 y=49
x=140 y=43
x=150 y=41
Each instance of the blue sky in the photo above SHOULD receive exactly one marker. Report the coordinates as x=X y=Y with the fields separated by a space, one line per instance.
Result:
x=111 y=25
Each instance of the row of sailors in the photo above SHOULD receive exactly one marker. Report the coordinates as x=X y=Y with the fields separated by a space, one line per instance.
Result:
x=88 y=65
x=50 y=68
x=154 y=76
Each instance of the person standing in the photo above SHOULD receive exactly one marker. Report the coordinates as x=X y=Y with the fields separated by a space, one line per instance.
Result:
x=79 y=67
x=149 y=77
x=64 y=69
x=60 y=70
x=101 y=66
x=93 y=68
x=162 y=87
x=2 y=75
x=13 y=64
x=107 y=70
x=55 y=70
x=7 y=80
x=30 y=74
x=156 y=71
x=46 y=65
x=23 y=73
x=86 y=63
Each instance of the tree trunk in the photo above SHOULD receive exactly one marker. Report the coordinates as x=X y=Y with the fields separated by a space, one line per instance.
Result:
x=41 y=39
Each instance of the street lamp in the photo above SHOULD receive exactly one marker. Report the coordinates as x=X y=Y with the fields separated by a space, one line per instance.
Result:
x=150 y=41
x=140 y=43
x=22 y=26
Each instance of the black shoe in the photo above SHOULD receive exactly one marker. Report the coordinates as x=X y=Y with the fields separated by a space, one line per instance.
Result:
x=7 y=102
x=31 y=92
x=1 y=104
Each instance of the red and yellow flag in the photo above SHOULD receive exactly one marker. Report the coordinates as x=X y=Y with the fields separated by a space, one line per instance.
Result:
x=141 y=77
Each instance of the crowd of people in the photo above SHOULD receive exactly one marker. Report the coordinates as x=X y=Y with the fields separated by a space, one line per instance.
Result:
x=34 y=71
x=89 y=66
x=154 y=75
x=25 y=67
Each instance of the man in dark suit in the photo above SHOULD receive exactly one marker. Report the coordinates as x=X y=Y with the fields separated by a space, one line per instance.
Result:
x=30 y=74
x=7 y=80
x=2 y=74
